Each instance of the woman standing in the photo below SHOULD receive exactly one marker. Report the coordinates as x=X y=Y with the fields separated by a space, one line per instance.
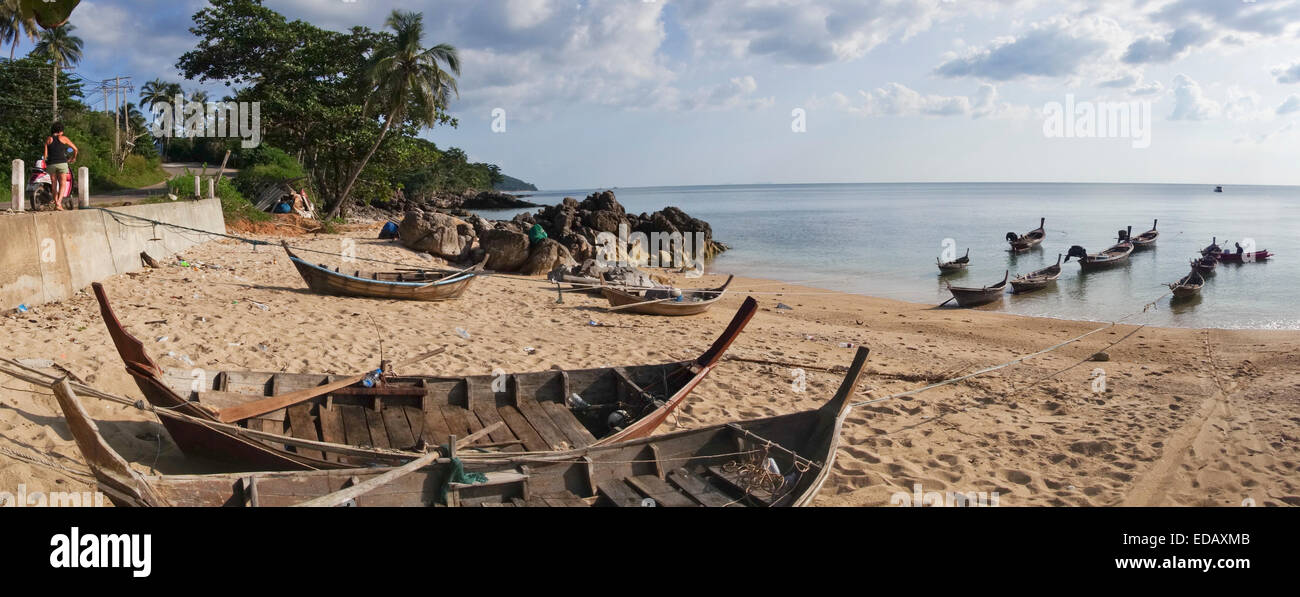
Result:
x=57 y=147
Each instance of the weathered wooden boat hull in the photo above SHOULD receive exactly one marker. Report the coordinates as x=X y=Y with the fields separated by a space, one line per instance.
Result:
x=1227 y=257
x=390 y=422
x=410 y=286
x=618 y=297
x=974 y=297
x=1037 y=280
x=720 y=465
x=1030 y=239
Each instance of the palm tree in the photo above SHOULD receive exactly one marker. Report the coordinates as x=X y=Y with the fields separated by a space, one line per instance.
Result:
x=61 y=47
x=156 y=92
x=13 y=26
x=404 y=75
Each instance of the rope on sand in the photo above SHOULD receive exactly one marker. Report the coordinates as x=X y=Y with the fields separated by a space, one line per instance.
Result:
x=1145 y=308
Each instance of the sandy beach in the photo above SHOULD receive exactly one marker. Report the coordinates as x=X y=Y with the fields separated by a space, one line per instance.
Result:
x=1188 y=417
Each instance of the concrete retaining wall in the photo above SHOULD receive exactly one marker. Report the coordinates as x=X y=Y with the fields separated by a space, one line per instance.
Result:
x=48 y=256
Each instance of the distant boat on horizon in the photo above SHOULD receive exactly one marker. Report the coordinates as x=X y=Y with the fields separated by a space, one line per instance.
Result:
x=1218 y=189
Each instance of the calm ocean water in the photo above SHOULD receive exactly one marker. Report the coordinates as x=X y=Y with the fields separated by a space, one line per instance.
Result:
x=882 y=240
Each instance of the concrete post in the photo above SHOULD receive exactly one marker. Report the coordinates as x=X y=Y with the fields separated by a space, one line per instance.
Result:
x=197 y=194
x=19 y=179
x=83 y=186
x=212 y=188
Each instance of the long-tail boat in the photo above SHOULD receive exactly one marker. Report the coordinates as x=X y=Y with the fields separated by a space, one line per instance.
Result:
x=285 y=421
x=663 y=300
x=1037 y=280
x=414 y=285
x=1024 y=242
x=974 y=297
x=775 y=461
x=1114 y=255
x=1147 y=239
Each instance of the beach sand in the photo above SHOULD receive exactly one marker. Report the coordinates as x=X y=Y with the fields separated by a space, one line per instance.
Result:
x=1189 y=417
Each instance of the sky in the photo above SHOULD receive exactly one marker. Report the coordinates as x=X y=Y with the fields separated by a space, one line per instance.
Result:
x=608 y=93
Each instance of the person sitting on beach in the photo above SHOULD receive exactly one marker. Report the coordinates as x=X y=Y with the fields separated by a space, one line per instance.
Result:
x=57 y=147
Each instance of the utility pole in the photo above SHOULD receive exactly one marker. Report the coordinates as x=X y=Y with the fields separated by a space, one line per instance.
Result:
x=117 y=110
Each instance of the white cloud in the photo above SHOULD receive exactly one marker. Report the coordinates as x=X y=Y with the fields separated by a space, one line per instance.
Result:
x=896 y=99
x=1287 y=73
x=1056 y=48
x=1190 y=101
x=1291 y=104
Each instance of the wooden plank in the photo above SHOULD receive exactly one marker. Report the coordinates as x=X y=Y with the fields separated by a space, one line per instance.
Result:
x=436 y=428
x=378 y=432
x=618 y=493
x=699 y=489
x=664 y=494
x=399 y=430
x=579 y=436
x=520 y=427
x=762 y=496
x=455 y=417
x=354 y=425
x=483 y=403
x=536 y=416
x=303 y=426
x=331 y=428
x=414 y=418
x=570 y=501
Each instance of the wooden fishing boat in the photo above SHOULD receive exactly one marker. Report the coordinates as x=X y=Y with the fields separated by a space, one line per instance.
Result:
x=414 y=285
x=1213 y=249
x=1205 y=264
x=279 y=421
x=955 y=265
x=1189 y=285
x=775 y=461
x=1115 y=255
x=1037 y=280
x=974 y=297
x=1244 y=257
x=1028 y=240
x=663 y=300
x=1147 y=239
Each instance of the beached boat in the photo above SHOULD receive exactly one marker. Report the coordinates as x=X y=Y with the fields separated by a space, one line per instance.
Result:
x=1205 y=264
x=1189 y=285
x=590 y=276
x=275 y=421
x=1037 y=280
x=663 y=300
x=414 y=285
x=1028 y=240
x=955 y=265
x=974 y=297
x=775 y=461
x=1147 y=239
x=1116 y=254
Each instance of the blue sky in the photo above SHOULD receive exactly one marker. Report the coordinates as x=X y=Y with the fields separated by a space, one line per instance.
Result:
x=664 y=92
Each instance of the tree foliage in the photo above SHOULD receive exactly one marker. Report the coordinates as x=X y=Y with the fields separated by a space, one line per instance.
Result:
x=315 y=88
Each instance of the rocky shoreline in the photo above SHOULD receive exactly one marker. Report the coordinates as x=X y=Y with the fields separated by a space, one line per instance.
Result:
x=564 y=234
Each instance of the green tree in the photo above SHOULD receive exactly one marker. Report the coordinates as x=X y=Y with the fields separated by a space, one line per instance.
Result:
x=157 y=92
x=63 y=49
x=409 y=81
x=14 y=26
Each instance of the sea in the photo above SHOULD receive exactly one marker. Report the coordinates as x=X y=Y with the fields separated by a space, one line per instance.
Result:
x=882 y=239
